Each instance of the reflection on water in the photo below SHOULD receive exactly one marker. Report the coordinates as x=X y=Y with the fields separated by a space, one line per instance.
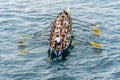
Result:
x=97 y=51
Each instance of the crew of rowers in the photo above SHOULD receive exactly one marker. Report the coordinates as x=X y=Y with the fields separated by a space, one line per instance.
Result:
x=60 y=32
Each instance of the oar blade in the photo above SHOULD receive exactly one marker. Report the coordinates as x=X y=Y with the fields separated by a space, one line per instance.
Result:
x=21 y=42
x=96 y=45
x=42 y=34
x=25 y=37
x=96 y=31
x=24 y=51
x=94 y=24
x=49 y=59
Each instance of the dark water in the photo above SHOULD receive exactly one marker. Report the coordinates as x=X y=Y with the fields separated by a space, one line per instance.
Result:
x=22 y=17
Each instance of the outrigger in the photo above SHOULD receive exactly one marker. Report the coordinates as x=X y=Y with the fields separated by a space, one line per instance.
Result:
x=61 y=37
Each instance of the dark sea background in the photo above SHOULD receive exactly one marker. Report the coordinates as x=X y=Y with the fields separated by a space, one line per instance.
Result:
x=23 y=17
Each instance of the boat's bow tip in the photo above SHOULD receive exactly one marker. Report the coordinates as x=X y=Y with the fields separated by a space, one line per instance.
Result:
x=68 y=10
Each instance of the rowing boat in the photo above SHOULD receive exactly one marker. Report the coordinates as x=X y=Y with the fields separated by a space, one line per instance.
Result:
x=61 y=37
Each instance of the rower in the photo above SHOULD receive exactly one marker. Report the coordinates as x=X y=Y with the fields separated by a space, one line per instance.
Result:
x=57 y=40
x=64 y=42
x=57 y=32
x=57 y=22
x=51 y=43
x=62 y=13
x=58 y=26
x=66 y=22
x=57 y=29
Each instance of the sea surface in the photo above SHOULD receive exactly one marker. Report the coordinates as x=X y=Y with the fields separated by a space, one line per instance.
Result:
x=21 y=18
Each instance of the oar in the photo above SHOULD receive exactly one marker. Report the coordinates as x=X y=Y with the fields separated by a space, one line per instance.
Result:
x=44 y=29
x=49 y=56
x=96 y=45
x=85 y=22
x=26 y=38
x=24 y=51
x=22 y=40
x=43 y=34
x=95 y=30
